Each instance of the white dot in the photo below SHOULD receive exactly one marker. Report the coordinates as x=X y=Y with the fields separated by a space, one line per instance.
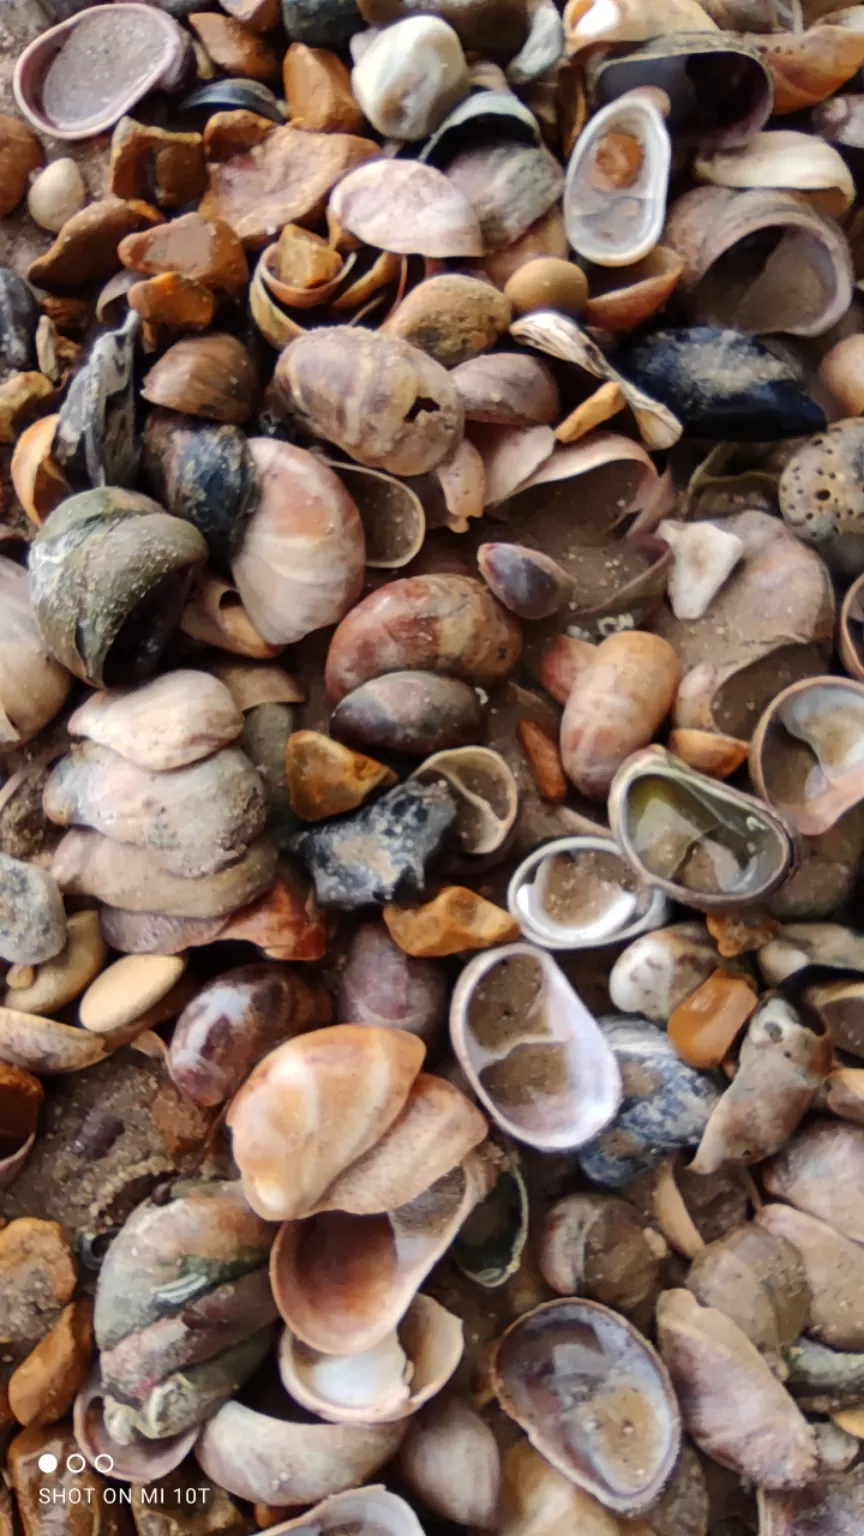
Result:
x=75 y=1463
x=47 y=1462
x=104 y=1463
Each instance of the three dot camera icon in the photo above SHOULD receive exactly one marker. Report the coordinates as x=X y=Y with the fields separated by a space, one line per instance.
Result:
x=75 y=1463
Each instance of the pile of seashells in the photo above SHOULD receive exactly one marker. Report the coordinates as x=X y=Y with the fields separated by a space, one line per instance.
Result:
x=432 y=768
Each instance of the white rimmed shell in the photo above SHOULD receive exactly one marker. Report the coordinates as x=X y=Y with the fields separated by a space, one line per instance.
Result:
x=609 y=222
x=580 y=893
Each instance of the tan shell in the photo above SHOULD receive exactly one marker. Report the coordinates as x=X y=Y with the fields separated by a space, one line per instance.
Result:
x=40 y=484
x=59 y=981
x=588 y=22
x=787 y=161
x=216 y=616
x=487 y=795
x=406 y=207
x=624 y=297
x=88 y=864
x=394 y=522
x=167 y=723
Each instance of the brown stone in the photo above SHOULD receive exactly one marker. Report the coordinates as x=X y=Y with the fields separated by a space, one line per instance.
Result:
x=86 y=246
x=37 y=1278
x=318 y=91
x=168 y=168
x=22 y=395
x=171 y=299
x=90 y=1515
x=57 y=355
x=326 y=779
x=68 y=314
x=45 y=1384
x=185 y=1126
x=235 y=48
x=286 y=179
x=234 y=133
x=705 y=1026
x=20 y=153
x=304 y=259
x=204 y=250
x=544 y=760
x=739 y=933
x=454 y=921
x=20 y=1096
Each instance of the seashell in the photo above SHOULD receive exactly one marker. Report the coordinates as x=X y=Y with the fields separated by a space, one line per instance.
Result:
x=756 y=1279
x=301 y=269
x=94 y=440
x=508 y=389
x=204 y=474
x=410 y=77
x=814 y=784
x=204 y=250
x=450 y=1459
x=660 y=971
x=709 y=752
x=667 y=1105
x=623 y=298
x=526 y=581
x=19 y=316
x=448 y=624
x=88 y=864
x=618 y=1365
x=406 y=207
x=451 y=317
x=784 y=161
x=486 y=794
x=713 y=227
x=151 y=162
x=832 y=1264
x=811 y=65
x=798 y=945
x=285 y=923
x=318 y=91
x=615 y=194
x=216 y=616
x=823 y=1380
x=817 y=1172
x=39 y=1045
x=700 y=846
x=251 y=684
x=840 y=372
x=234 y=95
x=542 y=49
x=381 y=985
x=32 y=919
x=535 y=1498
x=709 y=1358
x=394 y=522
x=131 y=548
x=274 y=1131
x=135 y=993
x=489 y=1246
x=57 y=192
x=211 y=376
x=822 y=511
x=370 y=1509
x=509 y=185
x=454 y=921
x=578 y=893
x=575 y=1085
x=379 y=853
x=38 y=481
x=837 y=1005
x=137 y=1460
x=616 y=706
x=33 y=685
x=822 y=1507
x=168 y=723
x=600 y=1247
x=547 y=282
x=588 y=22
x=78 y=78
x=781 y=1068
x=301 y=562
x=412 y=712
x=382 y=1260
x=719 y=87
x=706 y=1025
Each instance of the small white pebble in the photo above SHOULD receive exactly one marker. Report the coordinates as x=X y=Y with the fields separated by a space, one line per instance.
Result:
x=55 y=194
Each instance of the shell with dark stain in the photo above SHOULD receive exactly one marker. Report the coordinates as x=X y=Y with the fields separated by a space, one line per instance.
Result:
x=412 y=712
x=19 y=316
x=96 y=442
x=204 y=474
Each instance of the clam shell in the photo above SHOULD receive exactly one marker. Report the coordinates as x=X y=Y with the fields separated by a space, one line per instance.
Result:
x=543 y=1036
x=617 y=221
x=579 y=893
x=813 y=784
x=786 y=161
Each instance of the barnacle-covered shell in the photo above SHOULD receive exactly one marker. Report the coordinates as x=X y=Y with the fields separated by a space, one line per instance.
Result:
x=820 y=495
x=532 y=1052
x=579 y=893
x=167 y=723
x=574 y=1419
x=109 y=574
x=615 y=194
x=301 y=563
x=33 y=685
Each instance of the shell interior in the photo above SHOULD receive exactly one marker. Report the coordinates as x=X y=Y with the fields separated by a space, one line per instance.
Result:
x=579 y=893
x=617 y=220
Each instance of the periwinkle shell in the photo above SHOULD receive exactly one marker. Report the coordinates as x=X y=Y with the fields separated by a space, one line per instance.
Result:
x=203 y=473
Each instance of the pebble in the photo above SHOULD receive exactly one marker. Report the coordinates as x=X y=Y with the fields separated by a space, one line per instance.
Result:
x=410 y=76
x=37 y=1278
x=45 y=1385
x=128 y=989
x=325 y=778
x=56 y=193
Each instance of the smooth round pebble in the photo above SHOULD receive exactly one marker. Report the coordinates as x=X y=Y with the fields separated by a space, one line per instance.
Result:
x=548 y=283
x=55 y=194
x=127 y=989
x=410 y=77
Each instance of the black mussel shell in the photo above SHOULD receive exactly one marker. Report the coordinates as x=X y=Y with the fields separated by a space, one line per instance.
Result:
x=19 y=316
x=205 y=474
x=235 y=95
x=321 y=23
x=723 y=384
x=96 y=443
x=493 y=115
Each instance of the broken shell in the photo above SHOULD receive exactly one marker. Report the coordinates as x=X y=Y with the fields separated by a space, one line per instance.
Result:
x=537 y=1500
x=814 y=784
x=509 y=185
x=136 y=1459
x=616 y=707
x=216 y=616
x=705 y=844
x=370 y=1511
x=579 y=893
x=818 y=1171
x=820 y=495
x=301 y=270
x=273 y=1127
x=381 y=1385
x=489 y=1247
x=709 y=752
x=167 y=723
x=708 y=1357
x=532 y=1052
x=301 y=562
x=600 y=1247
x=623 y=298
x=784 y=161
x=615 y=195
x=394 y=522
x=837 y=1005
x=406 y=207
x=835 y=1271
x=382 y=985
x=261 y=1458
x=410 y=77
x=720 y=89
x=39 y=483
x=620 y=1373
x=453 y=922
x=55 y=194
x=77 y=79
x=450 y=1458
x=781 y=1069
x=810 y=65
x=841 y=373
x=486 y=794
x=757 y=1279
x=95 y=439
x=451 y=318
x=60 y=980
x=412 y=712
x=211 y=376
x=33 y=686
x=120 y=875
x=19 y=317
x=657 y=973
x=45 y=1048
x=507 y=389
x=704 y=557
x=767 y=237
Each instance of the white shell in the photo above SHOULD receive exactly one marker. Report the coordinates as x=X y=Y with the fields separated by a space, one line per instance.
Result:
x=606 y=912
x=590 y=211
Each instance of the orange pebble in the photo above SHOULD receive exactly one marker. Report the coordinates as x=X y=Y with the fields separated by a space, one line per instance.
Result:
x=703 y=1028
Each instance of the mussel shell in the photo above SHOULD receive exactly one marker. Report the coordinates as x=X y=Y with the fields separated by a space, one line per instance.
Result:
x=205 y=474
x=724 y=385
x=96 y=442
x=720 y=89
x=485 y=113
x=19 y=316
x=234 y=95
x=599 y=901
x=663 y=815
x=110 y=572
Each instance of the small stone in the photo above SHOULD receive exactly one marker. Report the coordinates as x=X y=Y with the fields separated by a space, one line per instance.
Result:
x=22 y=396
x=45 y=1385
x=705 y=1026
x=56 y=194
x=127 y=989
x=86 y=246
x=324 y=22
x=705 y=556
x=173 y=300
x=32 y=919
x=547 y=282
x=283 y=924
x=37 y=1278
x=544 y=760
x=452 y=317
x=60 y=980
x=410 y=76
x=234 y=133
x=739 y=933
x=19 y=316
x=169 y=168
x=235 y=48
x=88 y=1515
x=203 y=250
x=20 y=153
x=318 y=91
x=380 y=853
x=327 y=779
x=454 y=921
